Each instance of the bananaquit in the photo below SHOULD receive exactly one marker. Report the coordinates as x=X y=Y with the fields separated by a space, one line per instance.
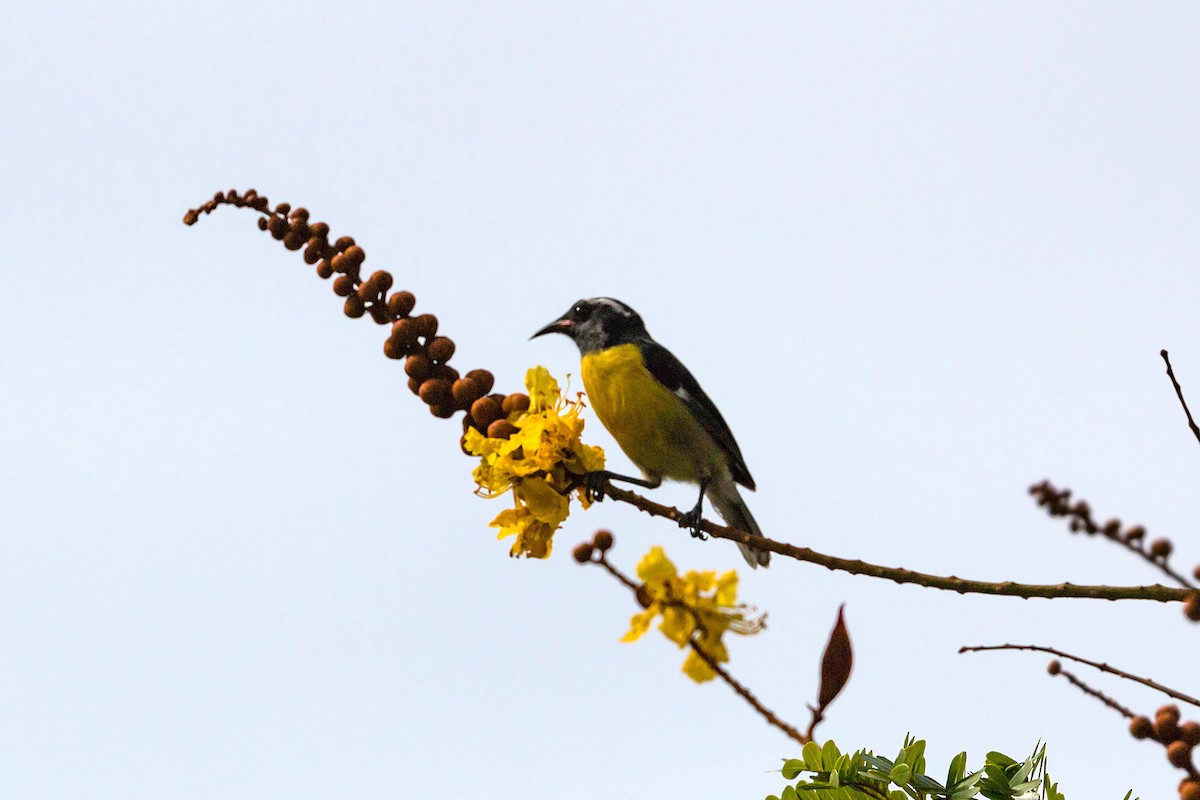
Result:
x=658 y=414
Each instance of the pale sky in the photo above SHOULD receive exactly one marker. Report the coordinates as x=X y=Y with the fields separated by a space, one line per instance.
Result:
x=921 y=256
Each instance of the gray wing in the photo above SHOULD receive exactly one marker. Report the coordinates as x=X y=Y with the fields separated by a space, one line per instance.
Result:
x=671 y=373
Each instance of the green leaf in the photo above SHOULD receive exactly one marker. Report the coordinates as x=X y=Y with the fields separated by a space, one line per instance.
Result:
x=914 y=753
x=792 y=769
x=999 y=759
x=829 y=755
x=812 y=756
x=958 y=767
x=900 y=774
x=789 y=793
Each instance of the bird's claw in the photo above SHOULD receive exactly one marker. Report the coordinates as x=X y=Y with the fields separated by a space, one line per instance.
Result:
x=594 y=484
x=691 y=521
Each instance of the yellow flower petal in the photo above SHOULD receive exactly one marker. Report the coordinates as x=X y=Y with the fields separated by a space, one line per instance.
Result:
x=543 y=501
x=696 y=669
x=678 y=624
x=655 y=566
x=727 y=587
x=639 y=624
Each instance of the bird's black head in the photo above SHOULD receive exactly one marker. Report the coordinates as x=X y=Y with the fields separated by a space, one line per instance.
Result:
x=598 y=323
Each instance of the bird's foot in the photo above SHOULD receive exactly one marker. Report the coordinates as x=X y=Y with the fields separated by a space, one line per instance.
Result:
x=691 y=521
x=594 y=484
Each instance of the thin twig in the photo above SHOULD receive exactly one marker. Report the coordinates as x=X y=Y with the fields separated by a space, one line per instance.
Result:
x=1097 y=664
x=1155 y=592
x=1103 y=698
x=1058 y=503
x=1179 y=393
x=746 y=694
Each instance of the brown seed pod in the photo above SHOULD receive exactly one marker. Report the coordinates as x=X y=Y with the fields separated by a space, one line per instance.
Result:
x=1179 y=753
x=1190 y=733
x=1191 y=606
x=466 y=392
x=644 y=597
x=486 y=380
x=501 y=429
x=262 y=221
x=1141 y=727
x=603 y=540
x=442 y=412
x=343 y=286
x=418 y=366
x=1112 y=528
x=1169 y=711
x=355 y=254
x=1166 y=730
x=383 y=279
x=1161 y=548
x=278 y=228
x=441 y=349
x=402 y=303
x=427 y=325
x=354 y=306
x=1135 y=533
x=380 y=314
x=414 y=385
x=325 y=269
x=485 y=411
x=299 y=215
x=436 y=392
x=294 y=240
x=314 y=251
x=343 y=244
x=393 y=348
x=446 y=373
x=406 y=331
x=319 y=229
x=283 y=208
x=1189 y=789
x=1054 y=667
x=516 y=403
x=582 y=552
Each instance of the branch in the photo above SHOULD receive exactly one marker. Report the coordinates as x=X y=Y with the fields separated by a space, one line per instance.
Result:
x=1097 y=664
x=1057 y=503
x=1156 y=592
x=767 y=714
x=1055 y=668
x=1179 y=393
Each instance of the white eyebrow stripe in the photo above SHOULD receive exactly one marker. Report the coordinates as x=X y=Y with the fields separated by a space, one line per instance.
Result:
x=615 y=305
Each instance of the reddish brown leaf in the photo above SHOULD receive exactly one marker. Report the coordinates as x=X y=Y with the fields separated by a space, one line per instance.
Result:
x=836 y=663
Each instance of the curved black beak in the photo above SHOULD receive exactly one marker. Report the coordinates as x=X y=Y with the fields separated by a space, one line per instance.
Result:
x=560 y=325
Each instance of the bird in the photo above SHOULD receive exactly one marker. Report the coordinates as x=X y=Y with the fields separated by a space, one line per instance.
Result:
x=661 y=418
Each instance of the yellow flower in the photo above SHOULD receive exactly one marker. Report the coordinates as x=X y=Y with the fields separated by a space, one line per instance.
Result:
x=697 y=608
x=541 y=463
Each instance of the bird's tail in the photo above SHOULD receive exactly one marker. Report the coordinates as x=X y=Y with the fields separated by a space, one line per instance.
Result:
x=726 y=499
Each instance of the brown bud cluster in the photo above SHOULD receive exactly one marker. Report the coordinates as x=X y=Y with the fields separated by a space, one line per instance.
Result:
x=1058 y=503
x=413 y=339
x=1178 y=738
x=583 y=552
x=601 y=543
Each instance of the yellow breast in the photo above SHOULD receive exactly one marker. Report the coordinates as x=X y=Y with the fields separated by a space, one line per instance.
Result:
x=653 y=426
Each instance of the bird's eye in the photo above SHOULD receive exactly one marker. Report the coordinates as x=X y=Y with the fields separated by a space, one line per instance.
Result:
x=580 y=312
